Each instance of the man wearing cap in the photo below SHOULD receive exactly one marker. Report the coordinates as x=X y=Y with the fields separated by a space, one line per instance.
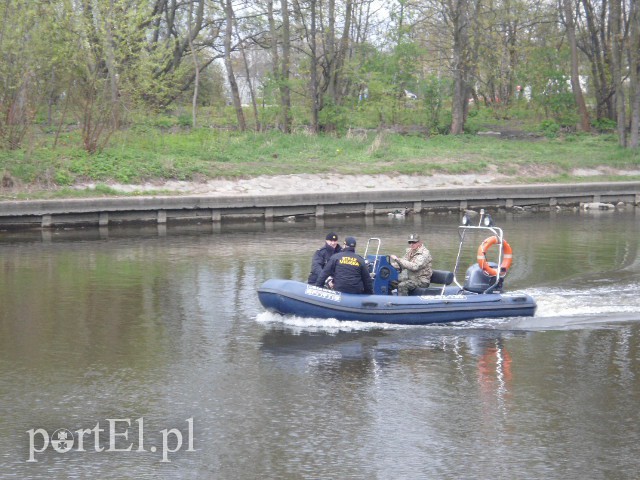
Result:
x=322 y=256
x=348 y=269
x=415 y=266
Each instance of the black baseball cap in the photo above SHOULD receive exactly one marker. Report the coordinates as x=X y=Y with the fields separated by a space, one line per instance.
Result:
x=350 y=241
x=332 y=236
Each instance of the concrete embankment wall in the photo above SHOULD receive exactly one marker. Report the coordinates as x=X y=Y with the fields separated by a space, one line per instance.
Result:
x=105 y=211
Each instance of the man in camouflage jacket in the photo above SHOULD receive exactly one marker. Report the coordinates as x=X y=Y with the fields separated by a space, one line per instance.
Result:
x=415 y=266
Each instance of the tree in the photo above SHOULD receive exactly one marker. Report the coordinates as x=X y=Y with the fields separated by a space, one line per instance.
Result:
x=280 y=35
x=313 y=84
x=285 y=89
x=100 y=59
x=458 y=16
x=616 y=68
x=634 y=74
x=233 y=85
x=585 y=123
x=196 y=68
x=23 y=44
x=595 y=44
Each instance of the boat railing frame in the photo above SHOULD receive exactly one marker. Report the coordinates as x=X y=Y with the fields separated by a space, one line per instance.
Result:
x=485 y=223
x=366 y=252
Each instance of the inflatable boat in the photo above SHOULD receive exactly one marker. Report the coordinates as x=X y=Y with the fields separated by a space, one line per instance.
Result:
x=481 y=295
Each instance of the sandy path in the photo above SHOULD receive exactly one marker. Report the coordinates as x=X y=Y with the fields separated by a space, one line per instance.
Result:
x=307 y=183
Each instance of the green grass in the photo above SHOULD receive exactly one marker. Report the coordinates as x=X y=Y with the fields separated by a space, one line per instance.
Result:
x=151 y=153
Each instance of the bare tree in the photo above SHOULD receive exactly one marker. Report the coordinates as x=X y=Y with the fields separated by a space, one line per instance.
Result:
x=110 y=63
x=585 y=123
x=280 y=36
x=596 y=46
x=634 y=74
x=335 y=54
x=233 y=84
x=196 y=68
x=247 y=70
x=285 y=72
x=313 y=85
x=457 y=13
x=615 y=20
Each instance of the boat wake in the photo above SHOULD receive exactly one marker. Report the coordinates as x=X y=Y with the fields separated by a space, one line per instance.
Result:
x=575 y=308
x=574 y=322
x=603 y=300
x=299 y=325
x=328 y=325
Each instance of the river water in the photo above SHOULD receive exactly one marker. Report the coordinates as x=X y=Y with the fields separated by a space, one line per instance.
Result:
x=149 y=349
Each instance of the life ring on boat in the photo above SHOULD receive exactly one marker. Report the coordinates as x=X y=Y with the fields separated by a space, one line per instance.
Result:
x=506 y=260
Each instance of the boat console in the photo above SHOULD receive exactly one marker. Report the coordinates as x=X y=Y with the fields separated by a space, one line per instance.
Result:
x=383 y=274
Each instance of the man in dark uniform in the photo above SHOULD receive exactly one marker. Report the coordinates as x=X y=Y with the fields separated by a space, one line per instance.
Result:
x=348 y=269
x=322 y=256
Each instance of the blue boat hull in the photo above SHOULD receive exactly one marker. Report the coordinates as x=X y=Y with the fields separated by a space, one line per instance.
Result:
x=288 y=297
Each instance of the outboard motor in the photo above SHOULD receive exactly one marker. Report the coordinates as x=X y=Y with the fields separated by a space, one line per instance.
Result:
x=477 y=280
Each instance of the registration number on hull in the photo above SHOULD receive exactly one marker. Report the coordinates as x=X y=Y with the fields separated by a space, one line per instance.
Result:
x=322 y=293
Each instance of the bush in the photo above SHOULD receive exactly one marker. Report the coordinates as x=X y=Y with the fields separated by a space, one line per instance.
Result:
x=550 y=128
x=161 y=121
x=185 y=120
x=333 y=117
x=63 y=177
x=604 y=125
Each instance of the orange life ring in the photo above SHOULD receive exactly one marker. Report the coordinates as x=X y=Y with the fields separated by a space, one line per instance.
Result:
x=482 y=256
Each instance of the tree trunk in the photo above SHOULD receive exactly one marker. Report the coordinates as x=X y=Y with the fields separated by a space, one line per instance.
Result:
x=457 y=108
x=233 y=85
x=616 y=63
x=315 y=106
x=597 y=50
x=459 y=17
x=110 y=62
x=247 y=70
x=285 y=89
x=194 y=101
x=331 y=50
x=634 y=74
x=341 y=55
x=273 y=37
x=585 y=122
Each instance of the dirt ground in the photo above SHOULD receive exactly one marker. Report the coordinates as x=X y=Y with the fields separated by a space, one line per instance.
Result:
x=311 y=183
x=308 y=183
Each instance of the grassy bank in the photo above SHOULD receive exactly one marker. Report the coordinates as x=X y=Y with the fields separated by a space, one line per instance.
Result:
x=149 y=154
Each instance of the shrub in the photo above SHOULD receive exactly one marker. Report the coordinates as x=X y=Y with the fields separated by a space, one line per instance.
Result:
x=604 y=125
x=185 y=120
x=549 y=128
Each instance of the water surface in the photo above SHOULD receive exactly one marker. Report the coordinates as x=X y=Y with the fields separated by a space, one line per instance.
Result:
x=163 y=328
